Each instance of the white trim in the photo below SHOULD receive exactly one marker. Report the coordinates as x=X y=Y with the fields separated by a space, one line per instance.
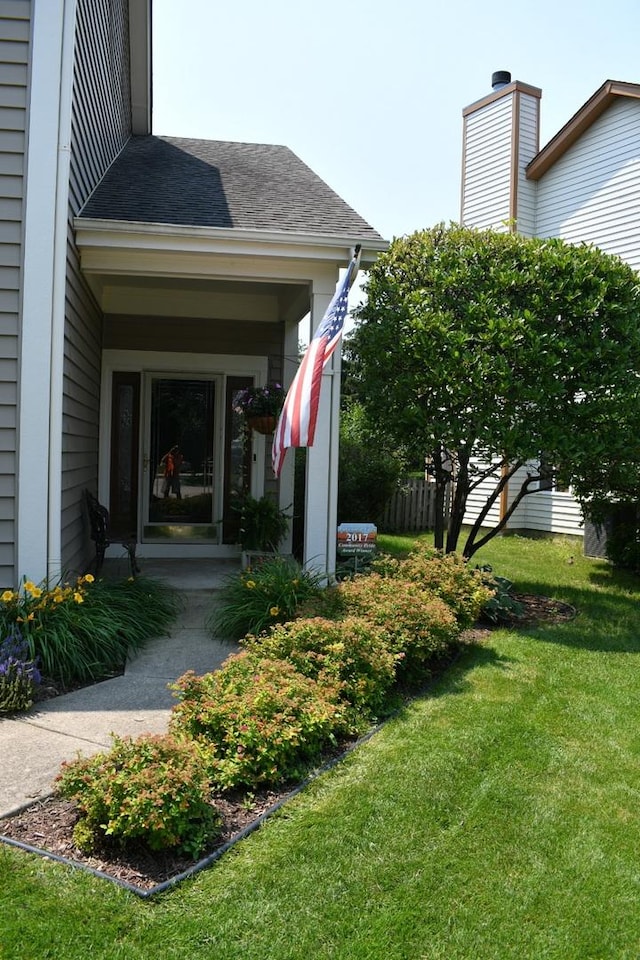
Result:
x=140 y=65
x=45 y=191
x=105 y=234
x=188 y=364
x=58 y=321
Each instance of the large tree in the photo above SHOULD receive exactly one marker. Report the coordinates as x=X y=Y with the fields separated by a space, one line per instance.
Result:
x=488 y=353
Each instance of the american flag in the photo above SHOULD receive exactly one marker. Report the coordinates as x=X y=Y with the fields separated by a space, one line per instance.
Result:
x=297 y=424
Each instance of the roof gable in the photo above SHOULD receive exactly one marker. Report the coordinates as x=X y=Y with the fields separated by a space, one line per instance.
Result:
x=579 y=123
x=212 y=183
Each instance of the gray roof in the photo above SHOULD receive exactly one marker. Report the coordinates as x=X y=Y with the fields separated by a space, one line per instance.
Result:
x=211 y=183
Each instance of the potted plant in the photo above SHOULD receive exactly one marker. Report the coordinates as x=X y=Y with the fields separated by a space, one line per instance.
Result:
x=261 y=406
x=263 y=525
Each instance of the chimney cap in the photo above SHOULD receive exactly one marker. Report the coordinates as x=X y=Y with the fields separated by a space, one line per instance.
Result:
x=500 y=79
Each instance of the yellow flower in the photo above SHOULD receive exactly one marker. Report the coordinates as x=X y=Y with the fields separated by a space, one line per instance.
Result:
x=251 y=584
x=7 y=596
x=31 y=616
x=88 y=578
x=78 y=597
x=30 y=587
x=274 y=611
x=58 y=598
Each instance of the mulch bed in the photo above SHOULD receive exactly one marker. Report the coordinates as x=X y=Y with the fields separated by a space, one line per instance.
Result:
x=48 y=824
x=48 y=827
x=542 y=610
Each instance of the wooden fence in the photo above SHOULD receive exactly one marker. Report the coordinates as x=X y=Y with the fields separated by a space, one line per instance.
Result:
x=411 y=509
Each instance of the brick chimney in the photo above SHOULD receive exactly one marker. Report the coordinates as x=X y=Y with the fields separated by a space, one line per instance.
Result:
x=500 y=137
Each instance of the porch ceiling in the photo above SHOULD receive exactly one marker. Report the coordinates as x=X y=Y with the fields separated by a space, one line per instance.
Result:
x=139 y=268
x=210 y=299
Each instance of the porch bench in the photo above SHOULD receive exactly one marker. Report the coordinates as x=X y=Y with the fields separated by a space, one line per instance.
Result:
x=99 y=524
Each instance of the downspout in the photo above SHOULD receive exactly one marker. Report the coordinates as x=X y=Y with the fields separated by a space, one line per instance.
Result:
x=54 y=548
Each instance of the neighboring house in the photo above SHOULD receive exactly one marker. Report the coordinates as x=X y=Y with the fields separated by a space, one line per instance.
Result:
x=583 y=186
x=143 y=281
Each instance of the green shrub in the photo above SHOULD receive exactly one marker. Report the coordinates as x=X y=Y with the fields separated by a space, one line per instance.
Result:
x=500 y=606
x=84 y=630
x=258 y=720
x=419 y=626
x=153 y=789
x=19 y=675
x=263 y=525
x=623 y=535
x=351 y=653
x=268 y=593
x=446 y=576
x=367 y=473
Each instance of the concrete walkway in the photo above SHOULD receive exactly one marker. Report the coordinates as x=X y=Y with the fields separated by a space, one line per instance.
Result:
x=33 y=745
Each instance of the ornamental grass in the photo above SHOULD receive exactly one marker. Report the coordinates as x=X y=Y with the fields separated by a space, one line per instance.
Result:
x=270 y=592
x=83 y=631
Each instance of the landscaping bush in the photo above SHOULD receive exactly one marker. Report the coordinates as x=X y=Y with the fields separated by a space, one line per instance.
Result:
x=258 y=720
x=351 y=652
x=623 y=538
x=268 y=593
x=500 y=606
x=83 y=631
x=154 y=789
x=448 y=576
x=19 y=675
x=367 y=474
x=418 y=625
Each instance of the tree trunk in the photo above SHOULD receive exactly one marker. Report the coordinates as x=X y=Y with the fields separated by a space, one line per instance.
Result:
x=459 y=503
x=441 y=480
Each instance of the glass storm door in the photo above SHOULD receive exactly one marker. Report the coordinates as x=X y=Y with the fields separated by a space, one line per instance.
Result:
x=180 y=467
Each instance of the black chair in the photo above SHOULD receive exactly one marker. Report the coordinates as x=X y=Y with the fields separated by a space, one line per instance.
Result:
x=101 y=535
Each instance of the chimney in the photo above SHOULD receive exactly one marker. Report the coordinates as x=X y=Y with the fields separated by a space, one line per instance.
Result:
x=500 y=79
x=500 y=138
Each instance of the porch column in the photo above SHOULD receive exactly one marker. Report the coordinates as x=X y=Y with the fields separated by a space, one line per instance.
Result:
x=321 y=502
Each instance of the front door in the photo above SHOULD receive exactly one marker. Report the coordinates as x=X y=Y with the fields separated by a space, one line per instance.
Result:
x=181 y=496
x=181 y=461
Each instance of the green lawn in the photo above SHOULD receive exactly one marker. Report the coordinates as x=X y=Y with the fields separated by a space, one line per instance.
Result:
x=497 y=817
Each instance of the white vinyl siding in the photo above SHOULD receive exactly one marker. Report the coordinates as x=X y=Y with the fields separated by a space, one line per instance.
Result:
x=548 y=511
x=592 y=193
x=15 y=28
x=486 y=197
x=476 y=502
x=527 y=149
x=100 y=126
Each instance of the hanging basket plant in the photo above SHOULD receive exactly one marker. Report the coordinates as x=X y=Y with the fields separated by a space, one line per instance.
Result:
x=261 y=406
x=265 y=424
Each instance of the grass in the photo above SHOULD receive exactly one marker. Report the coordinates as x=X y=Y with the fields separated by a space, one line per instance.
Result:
x=497 y=817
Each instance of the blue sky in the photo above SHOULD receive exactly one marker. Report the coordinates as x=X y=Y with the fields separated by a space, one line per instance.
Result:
x=370 y=95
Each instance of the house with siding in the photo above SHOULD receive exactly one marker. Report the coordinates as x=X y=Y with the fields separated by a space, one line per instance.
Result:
x=583 y=186
x=144 y=281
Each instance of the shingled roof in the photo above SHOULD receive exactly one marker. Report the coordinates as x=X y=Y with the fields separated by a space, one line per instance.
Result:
x=212 y=183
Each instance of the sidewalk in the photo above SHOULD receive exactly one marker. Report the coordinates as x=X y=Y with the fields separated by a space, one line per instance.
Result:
x=33 y=745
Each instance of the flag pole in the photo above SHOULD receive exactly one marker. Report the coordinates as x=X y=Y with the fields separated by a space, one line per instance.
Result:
x=297 y=423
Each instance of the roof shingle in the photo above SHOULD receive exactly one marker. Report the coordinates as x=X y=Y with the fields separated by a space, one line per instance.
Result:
x=213 y=183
